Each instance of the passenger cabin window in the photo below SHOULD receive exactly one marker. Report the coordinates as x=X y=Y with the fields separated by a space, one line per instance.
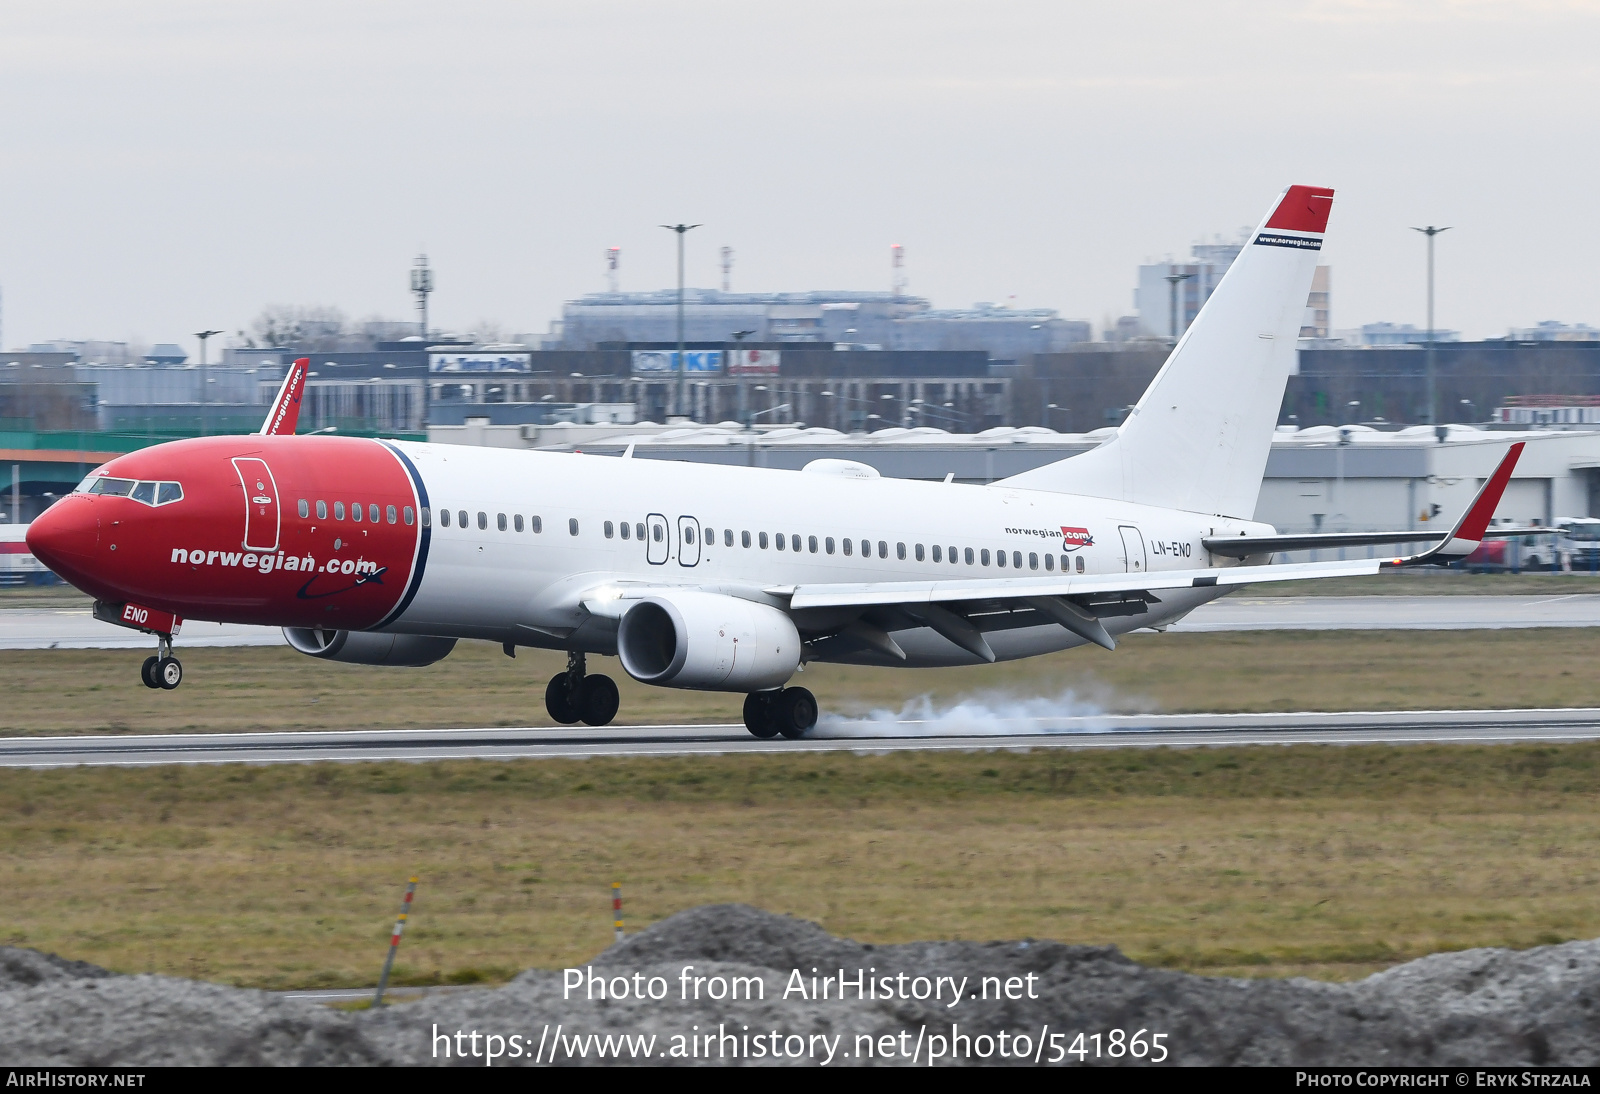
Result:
x=516 y=522
x=537 y=525
x=688 y=534
x=1016 y=560
x=444 y=518
x=483 y=521
x=411 y=516
x=638 y=531
x=919 y=552
x=355 y=511
x=1080 y=564
x=866 y=548
x=711 y=537
x=572 y=526
x=461 y=517
x=936 y=556
x=627 y=530
x=338 y=510
x=1000 y=558
x=779 y=537
x=969 y=556
x=794 y=544
x=609 y=529
x=500 y=521
x=763 y=541
x=393 y=515
x=883 y=548
x=983 y=556
x=900 y=551
x=1049 y=562
x=811 y=544
x=322 y=510
x=727 y=537
x=953 y=556
x=658 y=532
x=828 y=545
x=849 y=547
x=305 y=508
x=372 y=513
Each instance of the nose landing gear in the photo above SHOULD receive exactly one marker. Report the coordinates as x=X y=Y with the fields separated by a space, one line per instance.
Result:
x=789 y=711
x=575 y=696
x=163 y=670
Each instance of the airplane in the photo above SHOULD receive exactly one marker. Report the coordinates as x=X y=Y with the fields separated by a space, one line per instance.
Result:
x=387 y=552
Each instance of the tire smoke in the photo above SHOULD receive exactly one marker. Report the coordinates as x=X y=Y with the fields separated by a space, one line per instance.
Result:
x=996 y=713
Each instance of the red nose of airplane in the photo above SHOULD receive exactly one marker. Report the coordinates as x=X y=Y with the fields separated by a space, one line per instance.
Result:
x=64 y=536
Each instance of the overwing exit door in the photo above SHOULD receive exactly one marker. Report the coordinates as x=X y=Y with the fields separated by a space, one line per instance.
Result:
x=658 y=547
x=1133 y=558
x=688 y=541
x=261 y=516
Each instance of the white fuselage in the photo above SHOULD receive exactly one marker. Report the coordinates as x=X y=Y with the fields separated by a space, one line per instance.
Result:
x=718 y=527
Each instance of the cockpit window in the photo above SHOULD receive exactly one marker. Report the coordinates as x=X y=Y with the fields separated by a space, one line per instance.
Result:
x=116 y=488
x=150 y=493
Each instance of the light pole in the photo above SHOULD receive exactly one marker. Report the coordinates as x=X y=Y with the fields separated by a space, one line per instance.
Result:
x=678 y=366
x=744 y=408
x=1430 y=231
x=204 y=375
x=1175 y=279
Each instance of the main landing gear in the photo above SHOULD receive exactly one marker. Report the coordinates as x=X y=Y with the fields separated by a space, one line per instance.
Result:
x=574 y=696
x=163 y=670
x=789 y=711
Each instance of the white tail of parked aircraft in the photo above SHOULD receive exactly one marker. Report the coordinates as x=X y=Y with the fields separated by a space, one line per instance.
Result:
x=722 y=578
x=1198 y=439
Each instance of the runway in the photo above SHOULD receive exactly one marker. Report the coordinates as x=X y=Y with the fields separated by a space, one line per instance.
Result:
x=75 y=628
x=833 y=735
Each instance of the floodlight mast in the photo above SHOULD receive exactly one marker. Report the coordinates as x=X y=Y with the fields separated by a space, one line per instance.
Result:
x=679 y=366
x=1429 y=417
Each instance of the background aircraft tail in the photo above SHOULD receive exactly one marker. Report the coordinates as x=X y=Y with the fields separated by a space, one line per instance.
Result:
x=1199 y=437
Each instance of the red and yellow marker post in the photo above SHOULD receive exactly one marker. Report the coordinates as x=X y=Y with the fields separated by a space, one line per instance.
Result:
x=394 y=942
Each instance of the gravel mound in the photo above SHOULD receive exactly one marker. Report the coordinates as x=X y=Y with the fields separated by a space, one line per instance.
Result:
x=1532 y=1007
x=26 y=968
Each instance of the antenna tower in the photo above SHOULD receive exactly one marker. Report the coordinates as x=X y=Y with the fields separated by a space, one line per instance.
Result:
x=421 y=286
x=613 y=268
x=897 y=270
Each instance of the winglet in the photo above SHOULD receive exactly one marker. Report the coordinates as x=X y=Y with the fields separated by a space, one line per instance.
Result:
x=285 y=412
x=1469 y=531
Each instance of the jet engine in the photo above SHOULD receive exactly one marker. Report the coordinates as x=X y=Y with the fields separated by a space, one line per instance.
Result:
x=364 y=648
x=707 y=641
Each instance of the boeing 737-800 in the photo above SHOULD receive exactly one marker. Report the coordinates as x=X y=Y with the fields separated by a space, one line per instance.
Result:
x=726 y=578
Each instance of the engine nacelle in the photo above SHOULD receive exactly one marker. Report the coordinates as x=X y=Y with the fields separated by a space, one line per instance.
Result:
x=364 y=648
x=707 y=641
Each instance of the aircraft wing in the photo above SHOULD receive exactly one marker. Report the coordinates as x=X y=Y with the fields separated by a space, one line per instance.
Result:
x=1077 y=602
x=285 y=412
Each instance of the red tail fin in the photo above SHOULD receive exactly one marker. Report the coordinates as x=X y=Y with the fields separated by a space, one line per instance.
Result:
x=285 y=412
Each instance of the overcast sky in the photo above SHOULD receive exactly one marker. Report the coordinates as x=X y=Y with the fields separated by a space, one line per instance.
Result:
x=171 y=165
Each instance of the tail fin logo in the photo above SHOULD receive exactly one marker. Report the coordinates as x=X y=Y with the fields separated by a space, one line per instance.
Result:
x=1074 y=538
